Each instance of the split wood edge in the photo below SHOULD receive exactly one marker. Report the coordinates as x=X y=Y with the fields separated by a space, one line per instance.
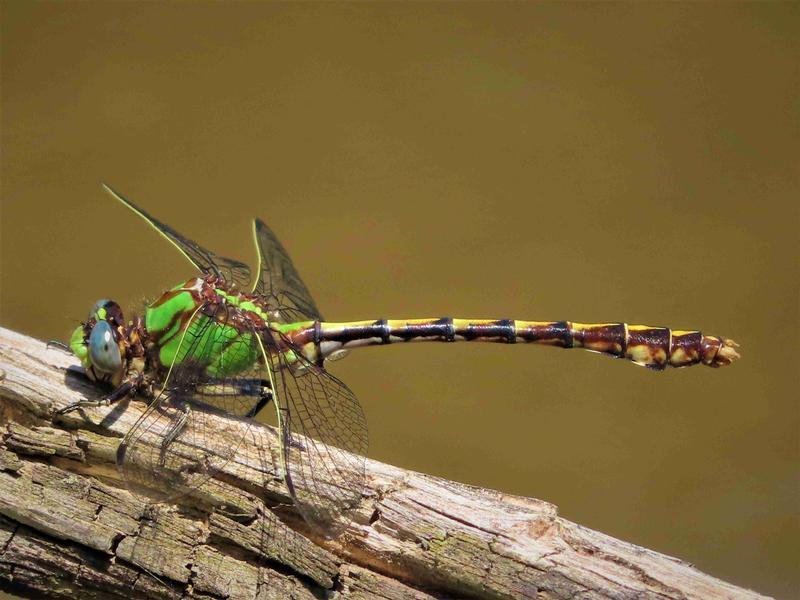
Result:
x=70 y=529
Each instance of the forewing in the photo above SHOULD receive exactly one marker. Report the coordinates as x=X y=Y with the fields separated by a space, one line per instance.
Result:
x=324 y=437
x=206 y=261
x=278 y=279
x=187 y=435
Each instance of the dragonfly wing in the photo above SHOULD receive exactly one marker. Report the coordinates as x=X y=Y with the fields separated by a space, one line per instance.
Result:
x=279 y=280
x=324 y=440
x=206 y=261
x=184 y=437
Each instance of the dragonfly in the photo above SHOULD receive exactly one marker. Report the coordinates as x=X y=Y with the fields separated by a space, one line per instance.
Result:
x=219 y=343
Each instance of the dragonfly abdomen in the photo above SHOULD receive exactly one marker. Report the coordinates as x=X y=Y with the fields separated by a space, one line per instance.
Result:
x=653 y=347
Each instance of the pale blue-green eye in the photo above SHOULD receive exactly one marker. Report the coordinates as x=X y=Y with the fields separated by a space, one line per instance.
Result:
x=103 y=349
x=98 y=306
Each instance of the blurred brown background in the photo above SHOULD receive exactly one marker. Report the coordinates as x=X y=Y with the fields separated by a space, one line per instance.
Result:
x=591 y=162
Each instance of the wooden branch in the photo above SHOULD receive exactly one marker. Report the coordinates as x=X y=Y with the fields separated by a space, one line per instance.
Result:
x=70 y=529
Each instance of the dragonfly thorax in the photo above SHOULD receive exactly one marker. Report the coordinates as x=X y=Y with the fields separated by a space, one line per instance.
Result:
x=203 y=320
x=207 y=321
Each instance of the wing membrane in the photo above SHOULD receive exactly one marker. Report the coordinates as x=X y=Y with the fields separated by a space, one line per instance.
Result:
x=184 y=438
x=324 y=437
x=278 y=279
x=184 y=435
x=206 y=261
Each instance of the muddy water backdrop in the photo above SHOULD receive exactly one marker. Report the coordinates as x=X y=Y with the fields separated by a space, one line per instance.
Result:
x=593 y=162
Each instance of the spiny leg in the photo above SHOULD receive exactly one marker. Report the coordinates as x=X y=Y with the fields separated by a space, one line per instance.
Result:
x=174 y=432
x=258 y=387
x=126 y=389
x=265 y=396
x=58 y=344
x=209 y=393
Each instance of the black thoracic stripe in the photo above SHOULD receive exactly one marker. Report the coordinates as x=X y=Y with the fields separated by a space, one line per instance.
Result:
x=170 y=325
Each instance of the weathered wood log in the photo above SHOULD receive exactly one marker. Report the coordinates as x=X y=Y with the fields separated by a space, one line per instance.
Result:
x=70 y=529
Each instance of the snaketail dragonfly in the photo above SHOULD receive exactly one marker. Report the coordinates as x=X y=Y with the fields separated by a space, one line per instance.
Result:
x=216 y=341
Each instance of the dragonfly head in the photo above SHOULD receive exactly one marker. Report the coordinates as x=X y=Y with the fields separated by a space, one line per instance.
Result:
x=99 y=343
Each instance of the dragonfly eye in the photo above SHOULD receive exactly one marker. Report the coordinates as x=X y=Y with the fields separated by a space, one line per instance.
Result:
x=107 y=310
x=103 y=349
x=97 y=306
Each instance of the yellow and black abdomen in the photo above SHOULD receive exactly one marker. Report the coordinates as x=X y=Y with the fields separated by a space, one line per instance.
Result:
x=653 y=347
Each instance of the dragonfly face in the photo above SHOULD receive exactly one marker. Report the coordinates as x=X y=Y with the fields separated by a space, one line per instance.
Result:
x=99 y=343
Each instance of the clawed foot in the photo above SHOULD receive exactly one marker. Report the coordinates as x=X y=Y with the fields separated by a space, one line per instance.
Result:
x=58 y=344
x=122 y=391
x=82 y=404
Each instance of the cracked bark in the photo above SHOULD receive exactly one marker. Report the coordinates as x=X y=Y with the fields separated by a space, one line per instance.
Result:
x=70 y=529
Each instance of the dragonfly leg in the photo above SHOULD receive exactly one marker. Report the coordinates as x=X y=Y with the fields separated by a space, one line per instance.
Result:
x=265 y=396
x=119 y=393
x=58 y=344
x=174 y=431
x=213 y=392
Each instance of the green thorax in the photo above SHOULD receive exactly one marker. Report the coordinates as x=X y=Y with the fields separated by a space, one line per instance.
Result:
x=210 y=325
